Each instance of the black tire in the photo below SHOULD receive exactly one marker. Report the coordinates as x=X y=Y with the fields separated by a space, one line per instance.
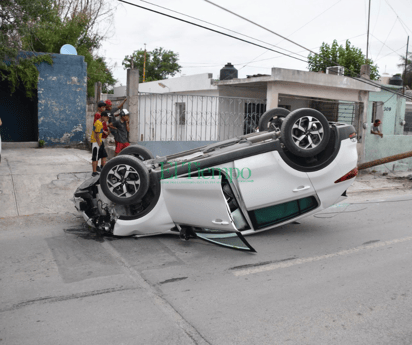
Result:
x=137 y=151
x=272 y=119
x=115 y=182
x=305 y=132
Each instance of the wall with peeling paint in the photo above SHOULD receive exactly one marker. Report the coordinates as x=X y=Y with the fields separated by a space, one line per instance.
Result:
x=62 y=91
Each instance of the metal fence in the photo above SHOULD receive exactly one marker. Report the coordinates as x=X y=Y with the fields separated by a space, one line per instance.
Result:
x=176 y=117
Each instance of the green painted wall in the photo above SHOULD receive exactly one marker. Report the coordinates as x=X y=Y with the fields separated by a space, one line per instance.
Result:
x=393 y=141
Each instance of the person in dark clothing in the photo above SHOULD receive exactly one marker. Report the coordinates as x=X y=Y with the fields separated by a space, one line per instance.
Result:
x=101 y=107
x=120 y=130
x=113 y=110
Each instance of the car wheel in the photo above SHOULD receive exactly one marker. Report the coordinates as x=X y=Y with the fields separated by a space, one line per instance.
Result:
x=305 y=132
x=137 y=151
x=124 y=180
x=272 y=119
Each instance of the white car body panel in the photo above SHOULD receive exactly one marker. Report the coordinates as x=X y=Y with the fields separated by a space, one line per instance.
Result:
x=273 y=180
x=192 y=201
x=156 y=222
x=323 y=180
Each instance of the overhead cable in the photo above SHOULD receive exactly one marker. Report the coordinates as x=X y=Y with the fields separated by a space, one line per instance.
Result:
x=221 y=27
x=387 y=47
x=204 y=27
x=248 y=20
x=365 y=81
x=400 y=20
x=390 y=31
x=362 y=80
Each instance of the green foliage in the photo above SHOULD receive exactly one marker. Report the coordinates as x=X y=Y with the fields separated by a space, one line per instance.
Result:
x=406 y=74
x=347 y=56
x=50 y=35
x=42 y=143
x=160 y=63
x=18 y=18
x=24 y=72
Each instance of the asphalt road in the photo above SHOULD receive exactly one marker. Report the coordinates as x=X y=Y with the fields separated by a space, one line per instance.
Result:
x=340 y=277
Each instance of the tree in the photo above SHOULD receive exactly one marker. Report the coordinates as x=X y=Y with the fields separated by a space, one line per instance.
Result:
x=160 y=63
x=19 y=18
x=74 y=29
x=406 y=74
x=347 y=56
x=44 y=26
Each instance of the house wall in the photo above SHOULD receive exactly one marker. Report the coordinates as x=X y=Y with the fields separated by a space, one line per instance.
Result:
x=393 y=111
x=394 y=141
x=293 y=103
x=62 y=90
x=198 y=82
x=166 y=148
x=275 y=88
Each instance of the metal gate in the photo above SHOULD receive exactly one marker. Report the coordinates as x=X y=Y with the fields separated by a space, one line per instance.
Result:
x=176 y=117
x=18 y=114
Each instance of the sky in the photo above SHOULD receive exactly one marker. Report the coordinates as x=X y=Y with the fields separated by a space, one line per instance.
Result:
x=306 y=22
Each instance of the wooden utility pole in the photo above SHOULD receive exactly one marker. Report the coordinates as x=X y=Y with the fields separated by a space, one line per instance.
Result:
x=385 y=160
x=367 y=39
x=144 y=64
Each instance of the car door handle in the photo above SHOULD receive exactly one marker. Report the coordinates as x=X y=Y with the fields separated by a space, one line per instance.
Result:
x=220 y=222
x=301 y=188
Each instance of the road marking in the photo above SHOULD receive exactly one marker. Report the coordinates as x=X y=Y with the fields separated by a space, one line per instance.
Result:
x=271 y=267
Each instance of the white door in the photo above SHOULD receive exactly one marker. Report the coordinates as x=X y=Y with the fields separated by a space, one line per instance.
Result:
x=197 y=202
x=266 y=180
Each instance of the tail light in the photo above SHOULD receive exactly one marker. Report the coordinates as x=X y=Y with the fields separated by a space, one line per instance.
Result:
x=351 y=174
x=352 y=135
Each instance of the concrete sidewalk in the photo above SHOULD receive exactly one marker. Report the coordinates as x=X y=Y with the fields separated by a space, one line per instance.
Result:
x=34 y=180
x=42 y=181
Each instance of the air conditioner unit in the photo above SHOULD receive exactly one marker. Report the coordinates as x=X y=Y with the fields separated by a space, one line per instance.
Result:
x=337 y=70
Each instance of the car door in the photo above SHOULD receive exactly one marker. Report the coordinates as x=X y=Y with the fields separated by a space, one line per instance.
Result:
x=200 y=204
x=197 y=202
x=266 y=180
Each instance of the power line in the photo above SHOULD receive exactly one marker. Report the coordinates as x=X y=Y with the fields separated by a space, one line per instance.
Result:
x=384 y=43
x=204 y=27
x=218 y=26
x=394 y=52
x=248 y=20
x=310 y=21
x=385 y=46
x=365 y=81
x=400 y=20
x=297 y=31
x=362 y=80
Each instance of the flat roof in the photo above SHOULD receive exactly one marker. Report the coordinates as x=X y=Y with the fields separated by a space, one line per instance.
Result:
x=284 y=75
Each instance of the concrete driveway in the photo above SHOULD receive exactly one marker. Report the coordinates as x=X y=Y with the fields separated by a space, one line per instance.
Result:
x=40 y=180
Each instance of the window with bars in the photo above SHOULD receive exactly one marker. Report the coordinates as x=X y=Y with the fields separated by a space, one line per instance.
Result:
x=181 y=112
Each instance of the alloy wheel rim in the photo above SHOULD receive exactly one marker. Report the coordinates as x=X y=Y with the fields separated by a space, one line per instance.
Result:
x=307 y=132
x=123 y=181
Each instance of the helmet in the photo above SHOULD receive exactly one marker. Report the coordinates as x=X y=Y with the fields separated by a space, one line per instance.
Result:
x=108 y=102
x=124 y=112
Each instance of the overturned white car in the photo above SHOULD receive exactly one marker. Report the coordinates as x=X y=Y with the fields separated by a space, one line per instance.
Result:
x=297 y=164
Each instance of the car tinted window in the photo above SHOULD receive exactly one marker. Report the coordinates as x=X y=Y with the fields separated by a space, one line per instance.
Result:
x=267 y=216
